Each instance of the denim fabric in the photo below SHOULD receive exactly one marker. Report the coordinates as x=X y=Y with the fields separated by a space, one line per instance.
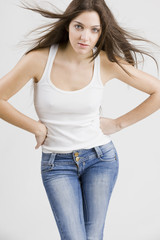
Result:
x=79 y=186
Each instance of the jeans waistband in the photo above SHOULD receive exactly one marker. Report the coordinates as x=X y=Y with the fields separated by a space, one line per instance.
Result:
x=81 y=152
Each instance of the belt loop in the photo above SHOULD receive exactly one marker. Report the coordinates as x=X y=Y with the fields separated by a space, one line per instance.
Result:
x=98 y=151
x=51 y=160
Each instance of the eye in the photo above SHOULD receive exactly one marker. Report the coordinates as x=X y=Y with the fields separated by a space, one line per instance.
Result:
x=78 y=26
x=96 y=30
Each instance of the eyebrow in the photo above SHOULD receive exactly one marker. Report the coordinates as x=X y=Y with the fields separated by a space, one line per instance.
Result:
x=83 y=24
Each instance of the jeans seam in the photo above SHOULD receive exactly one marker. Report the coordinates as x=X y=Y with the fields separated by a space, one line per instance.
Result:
x=79 y=203
x=113 y=183
x=85 y=206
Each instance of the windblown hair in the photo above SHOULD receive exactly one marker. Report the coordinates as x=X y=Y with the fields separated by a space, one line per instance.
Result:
x=114 y=40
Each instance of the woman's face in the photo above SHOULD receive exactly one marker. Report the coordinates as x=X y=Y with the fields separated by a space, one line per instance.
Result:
x=84 y=31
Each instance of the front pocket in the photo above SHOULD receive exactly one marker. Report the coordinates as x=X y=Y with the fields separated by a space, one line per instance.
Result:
x=59 y=162
x=45 y=157
x=109 y=155
x=45 y=162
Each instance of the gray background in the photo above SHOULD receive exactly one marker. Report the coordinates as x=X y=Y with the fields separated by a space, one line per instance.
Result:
x=134 y=211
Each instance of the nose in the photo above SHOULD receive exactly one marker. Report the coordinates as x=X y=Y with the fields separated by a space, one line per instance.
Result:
x=85 y=35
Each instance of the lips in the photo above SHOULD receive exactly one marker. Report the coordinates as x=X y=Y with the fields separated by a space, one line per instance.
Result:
x=82 y=44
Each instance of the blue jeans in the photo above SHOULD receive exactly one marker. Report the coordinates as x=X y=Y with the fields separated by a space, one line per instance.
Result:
x=79 y=186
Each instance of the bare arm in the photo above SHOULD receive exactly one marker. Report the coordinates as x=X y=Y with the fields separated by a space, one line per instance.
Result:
x=13 y=116
x=10 y=84
x=143 y=82
x=146 y=83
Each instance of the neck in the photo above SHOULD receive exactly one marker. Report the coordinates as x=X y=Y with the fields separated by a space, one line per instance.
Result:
x=74 y=57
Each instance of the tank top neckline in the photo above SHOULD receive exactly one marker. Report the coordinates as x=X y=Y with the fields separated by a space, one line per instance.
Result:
x=52 y=53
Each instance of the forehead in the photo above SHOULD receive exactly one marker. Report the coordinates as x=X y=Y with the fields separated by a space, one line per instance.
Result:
x=88 y=18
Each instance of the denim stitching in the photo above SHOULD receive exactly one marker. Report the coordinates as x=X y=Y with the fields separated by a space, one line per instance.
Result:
x=85 y=207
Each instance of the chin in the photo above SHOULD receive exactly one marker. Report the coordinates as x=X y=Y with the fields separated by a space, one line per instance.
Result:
x=83 y=52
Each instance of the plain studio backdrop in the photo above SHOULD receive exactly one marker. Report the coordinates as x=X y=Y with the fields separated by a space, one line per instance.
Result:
x=134 y=211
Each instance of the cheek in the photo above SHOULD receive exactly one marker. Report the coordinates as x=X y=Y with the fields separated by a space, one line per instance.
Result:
x=95 y=38
x=72 y=31
x=72 y=34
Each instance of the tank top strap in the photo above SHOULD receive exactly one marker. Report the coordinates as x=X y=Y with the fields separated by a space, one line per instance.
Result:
x=51 y=56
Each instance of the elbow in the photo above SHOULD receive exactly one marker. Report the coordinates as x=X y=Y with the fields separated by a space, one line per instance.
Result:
x=157 y=96
x=156 y=92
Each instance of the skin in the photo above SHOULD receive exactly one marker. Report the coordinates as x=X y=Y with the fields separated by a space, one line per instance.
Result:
x=75 y=56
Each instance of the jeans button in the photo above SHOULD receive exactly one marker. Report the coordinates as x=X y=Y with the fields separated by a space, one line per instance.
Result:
x=77 y=159
x=76 y=154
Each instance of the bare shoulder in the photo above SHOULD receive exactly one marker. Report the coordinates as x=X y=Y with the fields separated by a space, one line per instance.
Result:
x=136 y=78
x=30 y=66
x=41 y=55
x=108 y=68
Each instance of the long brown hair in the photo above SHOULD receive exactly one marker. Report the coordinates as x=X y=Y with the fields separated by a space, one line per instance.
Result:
x=114 y=40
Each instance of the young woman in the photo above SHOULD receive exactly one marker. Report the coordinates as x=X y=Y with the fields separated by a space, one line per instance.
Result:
x=83 y=50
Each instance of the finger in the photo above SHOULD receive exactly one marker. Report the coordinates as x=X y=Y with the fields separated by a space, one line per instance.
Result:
x=37 y=146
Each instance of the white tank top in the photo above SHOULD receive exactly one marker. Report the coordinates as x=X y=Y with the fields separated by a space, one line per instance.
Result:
x=72 y=117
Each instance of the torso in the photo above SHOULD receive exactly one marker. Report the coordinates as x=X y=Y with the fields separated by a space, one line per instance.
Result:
x=72 y=77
